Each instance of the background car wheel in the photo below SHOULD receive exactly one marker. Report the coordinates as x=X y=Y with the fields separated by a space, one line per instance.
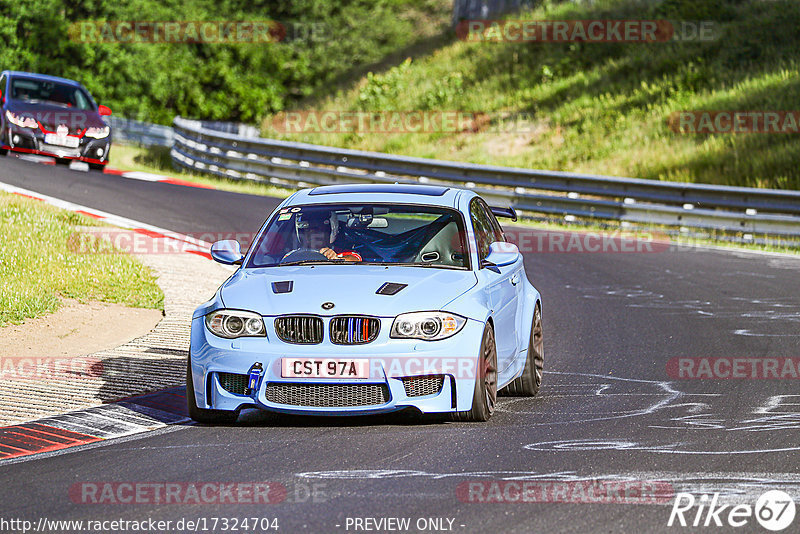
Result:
x=3 y=151
x=528 y=383
x=201 y=415
x=485 y=397
x=63 y=161
x=97 y=167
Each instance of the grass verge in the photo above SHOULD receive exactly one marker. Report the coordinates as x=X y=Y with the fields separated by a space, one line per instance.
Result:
x=37 y=266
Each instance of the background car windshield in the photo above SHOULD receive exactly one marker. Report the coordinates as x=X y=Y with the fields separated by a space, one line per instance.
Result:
x=377 y=233
x=31 y=90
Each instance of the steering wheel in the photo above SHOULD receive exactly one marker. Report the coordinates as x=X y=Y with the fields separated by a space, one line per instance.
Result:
x=304 y=254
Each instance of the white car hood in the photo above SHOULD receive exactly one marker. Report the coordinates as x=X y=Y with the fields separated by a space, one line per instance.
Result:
x=351 y=288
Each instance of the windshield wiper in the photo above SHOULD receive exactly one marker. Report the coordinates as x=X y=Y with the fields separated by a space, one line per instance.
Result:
x=312 y=262
x=410 y=264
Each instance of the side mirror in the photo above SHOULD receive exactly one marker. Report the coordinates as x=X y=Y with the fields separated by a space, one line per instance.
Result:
x=501 y=253
x=227 y=252
x=103 y=110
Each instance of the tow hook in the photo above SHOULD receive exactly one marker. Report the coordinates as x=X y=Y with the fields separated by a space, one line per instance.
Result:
x=255 y=377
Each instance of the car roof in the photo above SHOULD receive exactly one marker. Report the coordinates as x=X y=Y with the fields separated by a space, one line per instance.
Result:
x=401 y=193
x=45 y=77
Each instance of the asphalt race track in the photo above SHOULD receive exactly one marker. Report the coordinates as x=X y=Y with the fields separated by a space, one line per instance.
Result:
x=609 y=411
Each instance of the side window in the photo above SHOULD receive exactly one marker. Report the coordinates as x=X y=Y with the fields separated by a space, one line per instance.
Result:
x=484 y=234
x=497 y=230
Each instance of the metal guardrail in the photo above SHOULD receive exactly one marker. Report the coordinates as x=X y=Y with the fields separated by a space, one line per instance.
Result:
x=147 y=134
x=236 y=128
x=626 y=200
x=484 y=9
x=140 y=133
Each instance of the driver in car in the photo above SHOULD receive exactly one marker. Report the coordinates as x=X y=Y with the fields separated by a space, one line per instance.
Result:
x=318 y=231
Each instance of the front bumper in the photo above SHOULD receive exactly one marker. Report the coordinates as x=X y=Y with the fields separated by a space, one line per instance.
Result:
x=391 y=360
x=31 y=141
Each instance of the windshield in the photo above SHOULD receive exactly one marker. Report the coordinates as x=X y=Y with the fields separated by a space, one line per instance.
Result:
x=32 y=90
x=363 y=233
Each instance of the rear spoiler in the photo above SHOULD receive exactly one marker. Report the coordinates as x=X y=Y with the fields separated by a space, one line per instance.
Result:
x=509 y=212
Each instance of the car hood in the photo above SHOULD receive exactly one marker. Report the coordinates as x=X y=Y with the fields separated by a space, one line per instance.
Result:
x=51 y=116
x=351 y=288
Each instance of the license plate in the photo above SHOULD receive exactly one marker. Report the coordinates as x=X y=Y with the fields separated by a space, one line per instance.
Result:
x=324 y=368
x=61 y=140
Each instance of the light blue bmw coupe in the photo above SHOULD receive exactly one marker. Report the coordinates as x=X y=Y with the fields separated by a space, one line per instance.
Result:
x=363 y=299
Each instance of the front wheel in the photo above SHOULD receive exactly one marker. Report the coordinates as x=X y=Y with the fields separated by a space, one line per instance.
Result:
x=484 y=399
x=202 y=415
x=3 y=151
x=97 y=167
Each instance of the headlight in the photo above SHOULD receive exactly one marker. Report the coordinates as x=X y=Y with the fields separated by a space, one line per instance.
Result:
x=235 y=323
x=97 y=133
x=22 y=122
x=429 y=326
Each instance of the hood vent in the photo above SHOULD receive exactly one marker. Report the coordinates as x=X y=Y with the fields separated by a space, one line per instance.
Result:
x=390 y=288
x=282 y=287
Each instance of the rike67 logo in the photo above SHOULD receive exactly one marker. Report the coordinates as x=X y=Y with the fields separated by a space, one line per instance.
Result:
x=774 y=510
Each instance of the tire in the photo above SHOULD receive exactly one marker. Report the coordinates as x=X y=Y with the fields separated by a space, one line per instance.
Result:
x=96 y=167
x=202 y=415
x=63 y=161
x=484 y=399
x=528 y=383
x=3 y=151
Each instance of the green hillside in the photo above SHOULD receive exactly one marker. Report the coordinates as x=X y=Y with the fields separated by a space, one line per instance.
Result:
x=600 y=107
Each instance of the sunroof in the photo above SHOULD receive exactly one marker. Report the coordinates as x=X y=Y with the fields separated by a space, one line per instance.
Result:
x=406 y=189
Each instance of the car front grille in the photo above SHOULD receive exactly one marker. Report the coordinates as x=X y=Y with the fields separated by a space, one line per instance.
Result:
x=233 y=382
x=417 y=386
x=300 y=329
x=353 y=329
x=328 y=395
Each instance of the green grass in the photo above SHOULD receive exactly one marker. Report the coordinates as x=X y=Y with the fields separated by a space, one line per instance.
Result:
x=37 y=265
x=600 y=107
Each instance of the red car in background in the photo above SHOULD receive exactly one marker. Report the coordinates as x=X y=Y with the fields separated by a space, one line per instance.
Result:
x=54 y=117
